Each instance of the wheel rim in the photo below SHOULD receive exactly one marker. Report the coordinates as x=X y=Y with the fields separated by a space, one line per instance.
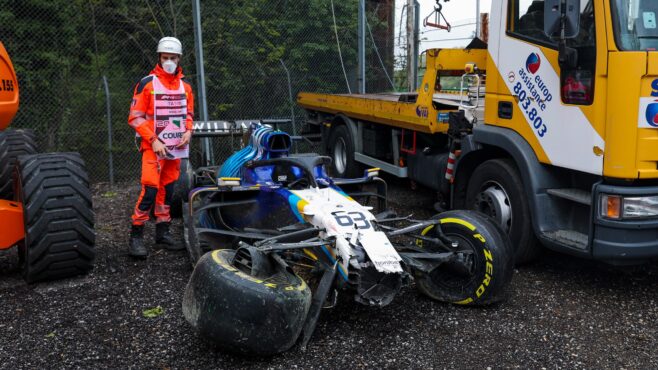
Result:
x=494 y=202
x=340 y=155
x=445 y=275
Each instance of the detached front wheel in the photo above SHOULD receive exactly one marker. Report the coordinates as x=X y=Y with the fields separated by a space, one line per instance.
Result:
x=244 y=303
x=486 y=271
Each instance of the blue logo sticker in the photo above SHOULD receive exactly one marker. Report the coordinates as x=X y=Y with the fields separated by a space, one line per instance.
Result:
x=533 y=63
x=652 y=114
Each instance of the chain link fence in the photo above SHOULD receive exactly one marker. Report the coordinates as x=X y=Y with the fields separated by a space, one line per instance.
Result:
x=78 y=61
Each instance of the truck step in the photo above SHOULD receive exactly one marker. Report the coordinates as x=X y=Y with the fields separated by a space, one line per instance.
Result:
x=575 y=195
x=570 y=238
x=384 y=166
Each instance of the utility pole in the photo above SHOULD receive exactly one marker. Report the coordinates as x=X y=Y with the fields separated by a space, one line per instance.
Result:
x=414 y=86
x=201 y=78
x=362 y=47
x=477 y=18
x=411 y=68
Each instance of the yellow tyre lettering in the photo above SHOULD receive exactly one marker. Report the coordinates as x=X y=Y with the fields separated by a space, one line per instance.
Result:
x=480 y=238
x=487 y=279
x=489 y=268
x=480 y=291
x=487 y=255
x=465 y=301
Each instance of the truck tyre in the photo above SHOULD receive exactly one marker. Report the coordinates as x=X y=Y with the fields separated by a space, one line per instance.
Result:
x=243 y=313
x=58 y=214
x=13 y=143
x=182 y=188
x=496 y=189
x=341 y=150
x=492 y=261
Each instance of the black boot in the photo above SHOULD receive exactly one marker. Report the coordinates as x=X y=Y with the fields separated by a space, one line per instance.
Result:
x=136 y=244
x=164 y=238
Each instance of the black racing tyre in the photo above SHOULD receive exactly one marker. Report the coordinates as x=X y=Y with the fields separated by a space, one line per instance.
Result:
x=492 y=262
x=341 y=151
x=496 y=189
x=182 y=188
x=59 y=218
x=13 y=143
x=242 y=313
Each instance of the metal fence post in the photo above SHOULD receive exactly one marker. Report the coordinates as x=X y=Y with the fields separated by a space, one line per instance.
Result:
x=292 y=104
x=201 y=76
x=362 y=46
x=108 y=105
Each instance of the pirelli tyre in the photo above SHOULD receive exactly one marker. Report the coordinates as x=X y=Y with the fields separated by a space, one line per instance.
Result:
x=243 y=313
x=13 y=143
x=492 y=261
x=182 y=188
x=59 y=218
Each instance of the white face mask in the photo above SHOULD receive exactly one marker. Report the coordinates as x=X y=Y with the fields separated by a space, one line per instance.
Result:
x=169 y=66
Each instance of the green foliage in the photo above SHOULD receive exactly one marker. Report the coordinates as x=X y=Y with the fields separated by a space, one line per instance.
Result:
x=61 y=49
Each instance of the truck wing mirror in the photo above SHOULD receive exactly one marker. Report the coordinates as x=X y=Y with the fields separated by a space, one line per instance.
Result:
x=562 y=18
x=562 y=21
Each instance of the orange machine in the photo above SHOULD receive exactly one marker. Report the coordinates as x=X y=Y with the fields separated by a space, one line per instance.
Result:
x=45 y=202
x=11 y=213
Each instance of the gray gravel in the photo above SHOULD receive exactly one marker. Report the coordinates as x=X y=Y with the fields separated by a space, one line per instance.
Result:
x=562 y=312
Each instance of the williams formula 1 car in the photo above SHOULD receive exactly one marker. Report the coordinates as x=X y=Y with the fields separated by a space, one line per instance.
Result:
x=274 y=239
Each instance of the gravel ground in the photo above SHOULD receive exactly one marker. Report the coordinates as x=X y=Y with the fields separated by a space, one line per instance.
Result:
x=562 y=312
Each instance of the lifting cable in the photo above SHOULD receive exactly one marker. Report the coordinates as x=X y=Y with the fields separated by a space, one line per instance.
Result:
x=374 y=44
x=340 y=54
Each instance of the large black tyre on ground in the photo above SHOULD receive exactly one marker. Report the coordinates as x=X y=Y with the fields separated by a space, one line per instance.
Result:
x=496 y=189
x=182 y=188
x=59 y=219
x=341 y=151
x=492 y=261
x=13 y=143
x=242 y=313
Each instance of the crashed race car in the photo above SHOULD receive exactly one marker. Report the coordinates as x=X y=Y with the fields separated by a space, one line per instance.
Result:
x=274 y=239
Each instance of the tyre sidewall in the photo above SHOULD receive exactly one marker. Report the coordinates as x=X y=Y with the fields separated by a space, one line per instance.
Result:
x=493 y=261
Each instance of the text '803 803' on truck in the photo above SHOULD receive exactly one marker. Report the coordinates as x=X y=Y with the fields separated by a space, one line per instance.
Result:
x=551 y=128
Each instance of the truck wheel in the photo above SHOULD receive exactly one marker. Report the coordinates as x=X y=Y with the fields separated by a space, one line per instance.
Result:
x=341 y=150
x=59 y=219
x=243 y=311
x=491 y=269
x=13 y=143
x=182 y=188
x=496 y=190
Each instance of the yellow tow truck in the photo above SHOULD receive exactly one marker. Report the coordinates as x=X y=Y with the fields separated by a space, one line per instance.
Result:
x=551 y=127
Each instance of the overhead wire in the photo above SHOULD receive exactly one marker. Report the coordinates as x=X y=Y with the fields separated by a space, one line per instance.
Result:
x=340 y=54
x=378 y=55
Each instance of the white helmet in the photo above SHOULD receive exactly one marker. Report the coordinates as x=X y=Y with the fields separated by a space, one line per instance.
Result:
x=170 y=45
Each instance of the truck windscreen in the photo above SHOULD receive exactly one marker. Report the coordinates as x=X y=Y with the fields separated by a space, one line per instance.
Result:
x=635 y=24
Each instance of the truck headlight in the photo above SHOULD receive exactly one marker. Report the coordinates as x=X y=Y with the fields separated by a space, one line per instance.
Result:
x=618 y=207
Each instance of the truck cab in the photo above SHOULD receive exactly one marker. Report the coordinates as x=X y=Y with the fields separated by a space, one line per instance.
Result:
x=578 y=115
